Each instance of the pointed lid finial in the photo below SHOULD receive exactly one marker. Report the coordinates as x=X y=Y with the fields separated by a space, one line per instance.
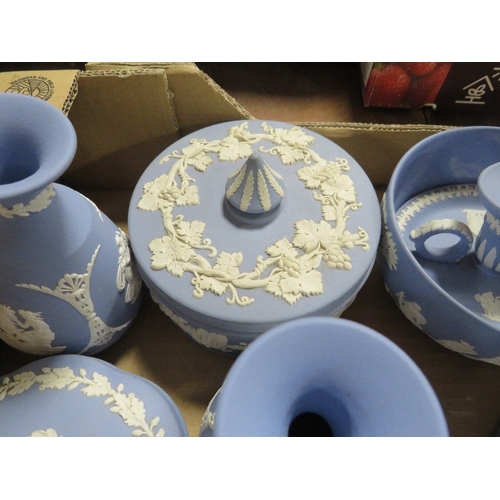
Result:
x=255 y=190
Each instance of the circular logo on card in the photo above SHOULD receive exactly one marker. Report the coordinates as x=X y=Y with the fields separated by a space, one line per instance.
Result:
x=36 y=86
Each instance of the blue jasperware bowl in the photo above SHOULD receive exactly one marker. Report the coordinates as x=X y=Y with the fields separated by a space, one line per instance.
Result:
x=440 y=239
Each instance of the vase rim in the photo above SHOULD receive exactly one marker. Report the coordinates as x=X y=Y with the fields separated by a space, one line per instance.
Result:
x=322 y=354
x=46 y=130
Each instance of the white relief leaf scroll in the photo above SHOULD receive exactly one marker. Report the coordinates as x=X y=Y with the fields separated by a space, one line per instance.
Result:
x=290 y=269
x=430 y=198
x=39 y=203
x=128 y=406
x=211 y=340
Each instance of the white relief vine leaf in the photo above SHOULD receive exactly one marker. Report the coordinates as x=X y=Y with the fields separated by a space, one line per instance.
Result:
x=229 y=263
x=311 y=236
x=130 y=408
x=296 y=278
x=329 y=213
x=341 y=186
x=232 y=149
x=290 y=155
x=170 y=253
x=282 y=247
x=177 y=250
x=210 y=284
x=189 y=196
x=200 y=162
x=191 y=232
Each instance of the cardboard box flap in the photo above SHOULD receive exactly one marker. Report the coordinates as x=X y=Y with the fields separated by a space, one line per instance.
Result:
x=59 y=87
x=123 y=120
x=198 y=100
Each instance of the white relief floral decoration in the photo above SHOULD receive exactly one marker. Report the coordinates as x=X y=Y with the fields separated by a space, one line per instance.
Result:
x=211 y=340
x=128 y=406
x=434 y=196
x=290 y=269
x=75 y=290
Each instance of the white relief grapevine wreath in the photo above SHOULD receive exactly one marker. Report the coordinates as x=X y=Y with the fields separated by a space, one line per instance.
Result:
x=290 y=268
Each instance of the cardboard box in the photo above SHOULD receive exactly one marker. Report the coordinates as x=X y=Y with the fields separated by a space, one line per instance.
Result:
x=125 y=114
x=446 y=86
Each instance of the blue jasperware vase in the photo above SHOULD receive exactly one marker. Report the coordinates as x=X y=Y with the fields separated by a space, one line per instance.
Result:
x=322 y=377
x=67 y=279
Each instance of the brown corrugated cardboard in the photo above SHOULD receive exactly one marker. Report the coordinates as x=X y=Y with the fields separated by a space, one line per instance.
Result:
x=123 y=120
x=57 y=87
x=198 y=100
x=125 y=114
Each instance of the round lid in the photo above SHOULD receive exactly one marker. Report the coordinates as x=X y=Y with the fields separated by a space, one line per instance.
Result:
x=247 y=224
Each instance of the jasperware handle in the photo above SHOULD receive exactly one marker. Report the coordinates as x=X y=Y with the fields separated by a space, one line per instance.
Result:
x=444 y=246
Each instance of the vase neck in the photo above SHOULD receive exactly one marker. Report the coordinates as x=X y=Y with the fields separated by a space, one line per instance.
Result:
x=37 y=145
